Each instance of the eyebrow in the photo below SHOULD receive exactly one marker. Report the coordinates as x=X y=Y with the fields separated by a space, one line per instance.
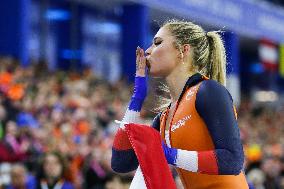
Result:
x=155 y=38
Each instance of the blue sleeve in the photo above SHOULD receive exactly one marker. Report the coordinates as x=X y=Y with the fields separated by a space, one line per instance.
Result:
x=67 y=185
x=124 y=161
x=214 y=104
x=251 y=186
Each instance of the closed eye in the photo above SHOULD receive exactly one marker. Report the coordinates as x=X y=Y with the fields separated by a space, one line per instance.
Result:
x=157 y=43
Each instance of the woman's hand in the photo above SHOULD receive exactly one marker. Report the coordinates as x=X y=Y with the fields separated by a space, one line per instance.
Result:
x=140 y=63
x=140 y=85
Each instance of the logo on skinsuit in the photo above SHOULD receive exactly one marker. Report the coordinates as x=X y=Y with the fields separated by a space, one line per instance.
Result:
x=180 y=123
x=190 y=93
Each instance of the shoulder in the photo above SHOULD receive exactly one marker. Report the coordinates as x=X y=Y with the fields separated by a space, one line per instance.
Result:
x=31 y=182
x=208 y=85
x=212 y=97
x=67 y=185
x=213 y=90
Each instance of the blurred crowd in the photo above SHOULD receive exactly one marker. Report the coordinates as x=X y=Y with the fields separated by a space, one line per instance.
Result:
x=262 y=133
x=57 y=128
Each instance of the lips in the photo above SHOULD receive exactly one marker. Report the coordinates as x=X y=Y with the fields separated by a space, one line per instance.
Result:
x=148 y=63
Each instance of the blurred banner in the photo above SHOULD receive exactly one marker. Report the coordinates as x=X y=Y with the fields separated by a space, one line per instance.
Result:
x=281 y=60
x=252 y=18
x=268 y=55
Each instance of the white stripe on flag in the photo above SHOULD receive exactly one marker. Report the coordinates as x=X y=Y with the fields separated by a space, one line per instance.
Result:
x=268 y=54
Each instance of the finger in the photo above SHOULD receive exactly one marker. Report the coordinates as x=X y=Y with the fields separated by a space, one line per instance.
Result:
x=142 y=52
x=137 y=58
x=137 y=50
x=137 y=55
x=143 y=63
x=143 y=58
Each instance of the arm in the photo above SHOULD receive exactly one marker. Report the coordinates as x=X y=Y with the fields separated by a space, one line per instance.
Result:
x=7 y=155
x=214 y=105
x=123 y=156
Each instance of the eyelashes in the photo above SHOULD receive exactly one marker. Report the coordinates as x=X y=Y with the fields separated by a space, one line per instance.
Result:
x=157 y=43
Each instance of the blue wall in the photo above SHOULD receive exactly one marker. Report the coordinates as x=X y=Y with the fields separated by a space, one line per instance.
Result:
x=135 y=30
x=14 y=29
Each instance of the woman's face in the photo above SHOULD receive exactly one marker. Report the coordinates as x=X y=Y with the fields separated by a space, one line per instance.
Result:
x=18 y=176
x=52 y=166
x=162 y=54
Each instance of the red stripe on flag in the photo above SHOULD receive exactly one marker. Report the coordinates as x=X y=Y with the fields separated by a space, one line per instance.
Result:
x=207 y=163
x=121 y=141
x=147 y=145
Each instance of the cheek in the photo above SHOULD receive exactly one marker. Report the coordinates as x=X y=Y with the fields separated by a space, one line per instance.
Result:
x=163 y=61
x=58 y=170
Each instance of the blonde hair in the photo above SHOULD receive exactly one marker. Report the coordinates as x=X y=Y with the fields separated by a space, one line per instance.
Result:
x=208 y=55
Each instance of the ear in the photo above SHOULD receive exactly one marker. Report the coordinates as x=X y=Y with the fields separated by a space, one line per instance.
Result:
x=186 y=49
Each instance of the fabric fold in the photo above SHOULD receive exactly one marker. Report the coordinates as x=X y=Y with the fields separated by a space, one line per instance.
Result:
x=147 y=144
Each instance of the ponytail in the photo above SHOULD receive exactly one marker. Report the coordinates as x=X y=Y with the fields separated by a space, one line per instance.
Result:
x=209 y=56
x=217 y=58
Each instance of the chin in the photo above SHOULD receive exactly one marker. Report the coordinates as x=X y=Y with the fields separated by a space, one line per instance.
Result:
x=156 y=74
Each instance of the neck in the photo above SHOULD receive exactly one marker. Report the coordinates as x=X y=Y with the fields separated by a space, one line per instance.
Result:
x=176 y=81
x=20 y=187
x=51 y=180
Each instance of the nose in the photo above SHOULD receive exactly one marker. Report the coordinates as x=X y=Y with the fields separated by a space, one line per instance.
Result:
x=148 y=51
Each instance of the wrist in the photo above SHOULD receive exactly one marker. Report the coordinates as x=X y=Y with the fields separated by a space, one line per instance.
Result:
x=173 y=156
x=140 y=74
x=170 y=154
x=140 y=88
x=136 y=104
